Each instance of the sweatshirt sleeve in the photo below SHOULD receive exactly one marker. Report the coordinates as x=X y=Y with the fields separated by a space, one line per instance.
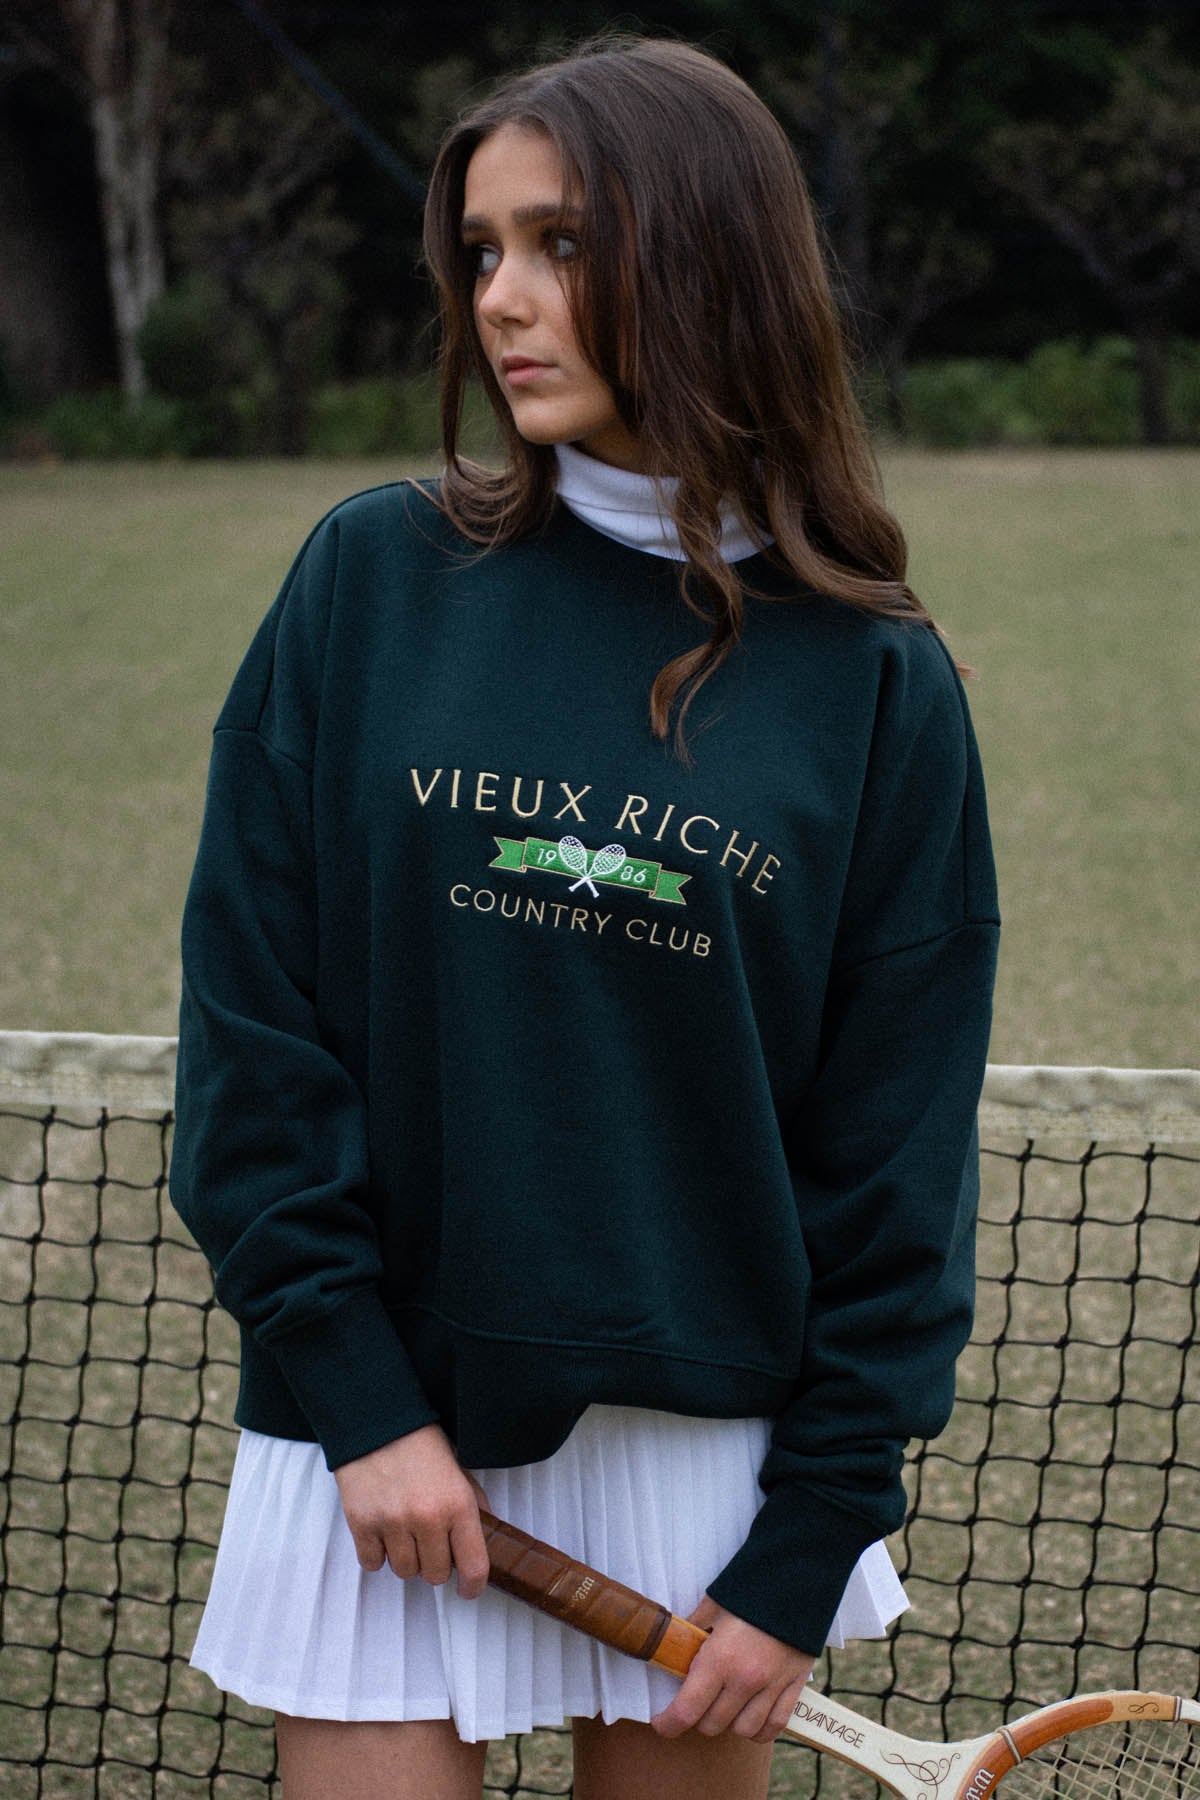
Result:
x=884 y=1158
x=269 y=1162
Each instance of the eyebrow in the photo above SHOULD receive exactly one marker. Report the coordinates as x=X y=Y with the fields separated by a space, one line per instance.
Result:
x=525 y=215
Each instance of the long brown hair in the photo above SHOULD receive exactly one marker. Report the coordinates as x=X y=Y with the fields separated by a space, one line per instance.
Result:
x=723 y=347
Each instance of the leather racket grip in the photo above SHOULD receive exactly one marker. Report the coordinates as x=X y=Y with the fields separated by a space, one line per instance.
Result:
x=581 y=1596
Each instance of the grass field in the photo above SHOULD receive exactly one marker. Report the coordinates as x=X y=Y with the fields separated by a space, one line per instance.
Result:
x=1067 y=579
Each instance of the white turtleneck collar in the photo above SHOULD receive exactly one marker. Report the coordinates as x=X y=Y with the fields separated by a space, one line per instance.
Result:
x=625 y=505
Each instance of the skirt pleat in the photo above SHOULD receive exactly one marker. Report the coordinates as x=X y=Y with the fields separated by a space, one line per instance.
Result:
x=657 y=1500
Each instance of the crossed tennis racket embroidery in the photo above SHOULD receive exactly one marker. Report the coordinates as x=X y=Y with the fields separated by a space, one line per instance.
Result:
x=604 y=862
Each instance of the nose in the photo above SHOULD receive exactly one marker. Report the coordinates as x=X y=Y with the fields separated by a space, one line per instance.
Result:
x=507 y=296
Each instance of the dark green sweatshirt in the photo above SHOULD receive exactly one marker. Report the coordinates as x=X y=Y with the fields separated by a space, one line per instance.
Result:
x=522 y=1067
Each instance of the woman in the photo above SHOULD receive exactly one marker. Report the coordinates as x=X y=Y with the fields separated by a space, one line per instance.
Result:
x=579 y=1113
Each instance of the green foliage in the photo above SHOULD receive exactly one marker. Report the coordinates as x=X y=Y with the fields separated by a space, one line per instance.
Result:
x=1183 y=391
x=1120 y=191
x=1079 y=394
x=257 y=212
x=374 y=418
x=965 y=400
x=107 y=424
x=392 y=417
x=10 y=395
x=253 y=409
x=184 y=342
x=1066 y=392
x=191 y=350
x=871 y=392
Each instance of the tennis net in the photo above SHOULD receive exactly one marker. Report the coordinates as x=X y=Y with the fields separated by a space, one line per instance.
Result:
x=1053 y=1543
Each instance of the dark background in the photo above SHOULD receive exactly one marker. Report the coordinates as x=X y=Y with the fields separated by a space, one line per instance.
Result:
x=990 y=178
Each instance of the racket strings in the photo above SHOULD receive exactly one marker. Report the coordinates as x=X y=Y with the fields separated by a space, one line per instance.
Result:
x=574 y=854
x=609 y=860
x=1135 y=1761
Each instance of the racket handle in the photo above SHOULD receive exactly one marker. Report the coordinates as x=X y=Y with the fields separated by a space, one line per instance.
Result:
x=581 y=1596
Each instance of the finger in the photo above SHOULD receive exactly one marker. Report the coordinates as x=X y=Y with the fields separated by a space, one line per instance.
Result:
x=471 y=1560
x=780 y=1714
x=369 y=1550
x=730 y=1704
x=433 y=1553
x=477 y=1490
x=691 y=1703
x=747 y=1684
x=402 y=1555
x=758 y=1717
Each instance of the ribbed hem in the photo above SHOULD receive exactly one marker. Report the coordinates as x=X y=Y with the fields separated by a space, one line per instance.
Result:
x=502 y=1401
x=352 y=1382
x=506 y=1401
x=789 y=1576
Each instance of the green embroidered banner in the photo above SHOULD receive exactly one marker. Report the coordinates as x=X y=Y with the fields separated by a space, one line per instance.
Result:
x=595 y=866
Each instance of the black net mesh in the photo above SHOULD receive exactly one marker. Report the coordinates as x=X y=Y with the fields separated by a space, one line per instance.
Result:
x=1053 y=1544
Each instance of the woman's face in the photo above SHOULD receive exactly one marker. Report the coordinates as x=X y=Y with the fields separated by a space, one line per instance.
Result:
x=519 y=224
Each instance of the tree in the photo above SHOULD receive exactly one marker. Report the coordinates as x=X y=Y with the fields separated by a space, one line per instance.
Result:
x=253 y=212
x=902 y=250
x=121 y=52
x=114 y=55
x=1120 y=189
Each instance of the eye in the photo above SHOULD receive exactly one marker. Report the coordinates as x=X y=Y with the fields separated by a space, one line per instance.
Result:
x=484 y=260
x=564 y=245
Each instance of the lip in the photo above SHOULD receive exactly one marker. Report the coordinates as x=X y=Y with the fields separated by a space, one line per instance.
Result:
x=521 y=369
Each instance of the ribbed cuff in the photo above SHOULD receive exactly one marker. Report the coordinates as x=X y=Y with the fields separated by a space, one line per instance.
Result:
x=353 y=1379
x=789 y=1576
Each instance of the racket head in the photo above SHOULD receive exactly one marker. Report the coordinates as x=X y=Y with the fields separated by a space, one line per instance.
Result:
x=573 y=853
x=608 y=860
x=1114 y=1746
x=1107 y=1746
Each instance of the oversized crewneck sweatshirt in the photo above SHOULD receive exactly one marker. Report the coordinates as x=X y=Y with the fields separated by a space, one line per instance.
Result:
x=522 y=1066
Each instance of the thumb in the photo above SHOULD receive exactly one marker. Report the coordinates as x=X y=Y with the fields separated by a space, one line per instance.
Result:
x=482 y=1499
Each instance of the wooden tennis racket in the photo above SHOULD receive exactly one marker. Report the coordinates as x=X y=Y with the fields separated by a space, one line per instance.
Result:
x=1114 y=1746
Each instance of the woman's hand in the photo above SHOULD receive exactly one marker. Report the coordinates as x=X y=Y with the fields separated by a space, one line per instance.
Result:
x=412 y=1505
x=741 y=1679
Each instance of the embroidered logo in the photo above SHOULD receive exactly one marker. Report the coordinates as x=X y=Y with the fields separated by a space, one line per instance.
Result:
x=604 y=862
x=612 y=865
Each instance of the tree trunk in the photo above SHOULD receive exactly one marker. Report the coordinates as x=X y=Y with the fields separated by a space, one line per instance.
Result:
x=122 y=47
x=1150 y=347
x=295 y=364
x=892 y=358
x=846 y=198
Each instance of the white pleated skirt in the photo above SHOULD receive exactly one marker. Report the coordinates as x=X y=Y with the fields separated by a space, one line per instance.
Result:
x=657 y=1500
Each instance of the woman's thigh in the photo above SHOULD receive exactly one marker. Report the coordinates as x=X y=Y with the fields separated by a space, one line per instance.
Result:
x=630 y=1761
x=421 y=1759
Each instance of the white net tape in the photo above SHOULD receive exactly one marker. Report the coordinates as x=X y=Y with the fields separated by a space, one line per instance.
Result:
x=87 y=1068
x=1160 y=1106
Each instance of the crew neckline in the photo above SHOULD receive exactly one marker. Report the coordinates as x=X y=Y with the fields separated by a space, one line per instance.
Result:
x=627 y=506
